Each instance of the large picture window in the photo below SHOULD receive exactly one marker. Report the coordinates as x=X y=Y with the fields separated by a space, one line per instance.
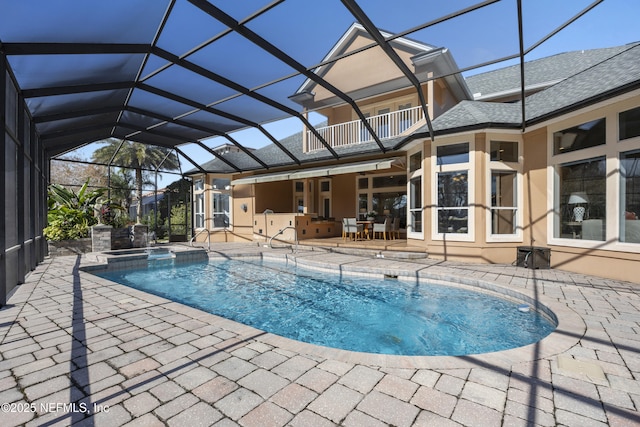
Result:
x=630 y=196
x=384 y=194
x=582 y=200
x=452 y=200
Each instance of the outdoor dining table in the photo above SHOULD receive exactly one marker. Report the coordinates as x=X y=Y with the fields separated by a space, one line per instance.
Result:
x=367 y=227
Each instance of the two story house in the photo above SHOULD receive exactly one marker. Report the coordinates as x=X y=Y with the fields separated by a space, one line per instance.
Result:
x=470 y=170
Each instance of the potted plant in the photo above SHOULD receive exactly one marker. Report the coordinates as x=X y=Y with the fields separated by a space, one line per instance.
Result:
x=371 y=215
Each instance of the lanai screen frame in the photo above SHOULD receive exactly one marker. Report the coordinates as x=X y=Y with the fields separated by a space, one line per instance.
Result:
x=112 y=90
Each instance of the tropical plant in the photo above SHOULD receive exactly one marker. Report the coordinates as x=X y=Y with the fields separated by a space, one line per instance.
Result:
x=71 y=214
x=138 y=157
x=178 y=226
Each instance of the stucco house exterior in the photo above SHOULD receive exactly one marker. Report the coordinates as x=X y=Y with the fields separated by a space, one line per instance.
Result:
x=479 y=177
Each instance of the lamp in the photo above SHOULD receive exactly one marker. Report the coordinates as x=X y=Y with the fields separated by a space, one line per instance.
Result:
x=578 y=198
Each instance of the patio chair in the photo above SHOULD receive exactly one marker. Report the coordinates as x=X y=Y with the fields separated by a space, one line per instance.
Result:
x=351 y=228
x=383 y=228
x=395 y=228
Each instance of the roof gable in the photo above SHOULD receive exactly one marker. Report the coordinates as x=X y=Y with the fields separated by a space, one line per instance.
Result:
x=357 y=51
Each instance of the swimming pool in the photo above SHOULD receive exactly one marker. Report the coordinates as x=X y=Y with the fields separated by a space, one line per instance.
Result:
x=352 y=313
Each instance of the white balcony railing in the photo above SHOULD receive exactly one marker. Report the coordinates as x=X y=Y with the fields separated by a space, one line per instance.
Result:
x=387 y=125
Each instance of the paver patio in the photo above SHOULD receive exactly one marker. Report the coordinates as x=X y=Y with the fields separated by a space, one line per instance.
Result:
x=78 y=349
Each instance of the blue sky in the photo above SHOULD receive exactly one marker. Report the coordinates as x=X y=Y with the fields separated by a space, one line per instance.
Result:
x=483 y=35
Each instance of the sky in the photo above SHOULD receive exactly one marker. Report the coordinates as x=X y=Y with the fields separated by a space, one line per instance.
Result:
x=483 y=35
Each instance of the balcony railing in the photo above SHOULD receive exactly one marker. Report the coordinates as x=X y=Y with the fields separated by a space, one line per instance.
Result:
x=389 y=125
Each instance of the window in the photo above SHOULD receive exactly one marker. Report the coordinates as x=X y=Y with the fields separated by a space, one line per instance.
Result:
x=415 y=162
x=220 y=210
x=629 y=123
x=415 y=210
x=384 y=194
x=590 y=134
x=453 y=202
x=452 y=154
x=404 y=119
x=221 y=201
x=630 y=197
x=504 y=177
x=199 y=211
x=503 y=202
x=325 y=198
x=298 y=197
x=595 y=187
x=504 y=151
x=582 y=200
x=415 y=227
x=452 y=215
x=221 y=184
x=198 y=201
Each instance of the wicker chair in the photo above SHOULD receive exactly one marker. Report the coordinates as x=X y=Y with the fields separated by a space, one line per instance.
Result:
x=383 y=228
x=351 y=228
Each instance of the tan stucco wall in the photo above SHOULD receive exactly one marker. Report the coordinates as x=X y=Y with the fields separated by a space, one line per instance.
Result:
x=277 y=196
x=535 y=187
x=372 y=67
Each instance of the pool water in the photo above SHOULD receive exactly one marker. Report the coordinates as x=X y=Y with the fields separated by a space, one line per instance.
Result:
x=352 y=313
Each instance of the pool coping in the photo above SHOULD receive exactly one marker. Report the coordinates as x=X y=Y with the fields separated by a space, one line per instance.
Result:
x=566 y=335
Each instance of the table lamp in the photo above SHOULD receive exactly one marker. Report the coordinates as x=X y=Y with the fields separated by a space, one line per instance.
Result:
x=578 y=199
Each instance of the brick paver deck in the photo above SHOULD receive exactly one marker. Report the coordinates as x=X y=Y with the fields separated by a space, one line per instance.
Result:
x=77 y=349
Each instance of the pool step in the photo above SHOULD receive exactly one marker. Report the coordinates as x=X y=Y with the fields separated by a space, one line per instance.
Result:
x=375 y=253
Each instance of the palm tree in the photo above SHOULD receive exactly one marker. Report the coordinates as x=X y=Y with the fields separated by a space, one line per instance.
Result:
x=136 y=156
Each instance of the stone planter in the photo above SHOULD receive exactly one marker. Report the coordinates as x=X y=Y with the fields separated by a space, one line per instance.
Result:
x=69 y=247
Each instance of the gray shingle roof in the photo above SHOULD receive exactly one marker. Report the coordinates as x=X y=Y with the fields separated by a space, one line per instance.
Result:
x=617 y=72
x=598 y=73
x=539 y=72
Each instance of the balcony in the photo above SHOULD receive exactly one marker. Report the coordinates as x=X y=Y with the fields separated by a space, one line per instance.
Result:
x=389 y=125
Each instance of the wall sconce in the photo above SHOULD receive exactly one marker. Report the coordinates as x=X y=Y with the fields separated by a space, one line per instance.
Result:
x=243 y=207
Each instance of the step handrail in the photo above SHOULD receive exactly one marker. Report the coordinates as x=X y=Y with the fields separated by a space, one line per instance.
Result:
x=282 y=230
x=199 y=233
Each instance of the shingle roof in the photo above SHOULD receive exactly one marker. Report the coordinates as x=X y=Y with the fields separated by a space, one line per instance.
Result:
x=616 y=73
x=597 y=74
x=540 y=72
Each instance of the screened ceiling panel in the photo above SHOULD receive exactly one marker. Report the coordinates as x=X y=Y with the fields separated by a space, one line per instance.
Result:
x=241 y=69
x=75 y=102
x=303 y=24
x=260 y=112
x=194 y=26
x=205 y=119
x=170 y=72
x=51 y=127
x=78 y=21
x=187 y=84
x=46 y=71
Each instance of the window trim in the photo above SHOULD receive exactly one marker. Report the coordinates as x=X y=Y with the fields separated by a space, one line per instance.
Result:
x=229 y=192
x=416 y=174
x=470 y=168
x=610 y=150
x=501 y=166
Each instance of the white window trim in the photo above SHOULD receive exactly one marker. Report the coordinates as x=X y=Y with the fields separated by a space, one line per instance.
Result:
x=322 y=195
x=229 y=191
x=611 y=150
x=470 y=167
x=370 y=191
x=507 y=167
x=417 y=174
x=197 y=192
